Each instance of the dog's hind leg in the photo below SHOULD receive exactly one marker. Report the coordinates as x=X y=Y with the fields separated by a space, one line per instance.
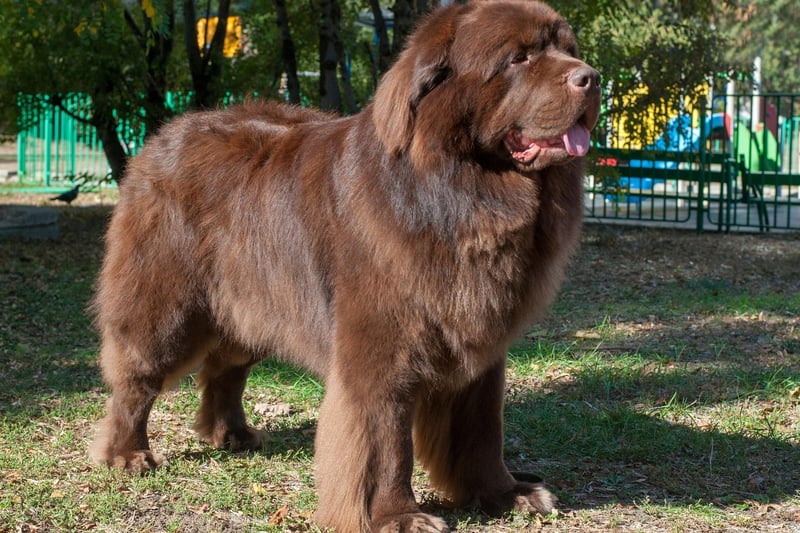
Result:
x=136 y=368
x=221 y=419
x=121 y=437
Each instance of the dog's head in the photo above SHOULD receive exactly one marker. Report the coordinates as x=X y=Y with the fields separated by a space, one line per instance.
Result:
x=499 y=80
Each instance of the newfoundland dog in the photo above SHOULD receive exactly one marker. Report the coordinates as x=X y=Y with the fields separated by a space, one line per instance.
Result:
x=395 y=253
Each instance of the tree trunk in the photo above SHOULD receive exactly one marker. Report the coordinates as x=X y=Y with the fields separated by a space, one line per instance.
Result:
x=157 y=46
x=205 y=65
x=157 y=61
x=350 y=105
x=404 y=17
x=105 y=124
x=384 y=46
x=117 y=157
x=288 y=56
x=406 y=14
x=330 y=97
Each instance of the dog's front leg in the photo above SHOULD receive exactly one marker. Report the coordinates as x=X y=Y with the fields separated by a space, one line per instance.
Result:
x=459 y=440
x=364 y=452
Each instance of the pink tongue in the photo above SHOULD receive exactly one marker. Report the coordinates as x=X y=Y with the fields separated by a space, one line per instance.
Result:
x=576 y=140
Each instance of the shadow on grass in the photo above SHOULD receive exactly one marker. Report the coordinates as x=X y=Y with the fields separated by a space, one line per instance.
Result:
x=281 y=442
x=692 y=321
x=595 y=457
x=595 y=446
x=37 y=382
x=595 y=450
x=47 y=344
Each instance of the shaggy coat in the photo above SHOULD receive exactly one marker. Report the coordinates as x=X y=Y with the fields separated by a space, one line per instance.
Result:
x=395 y=253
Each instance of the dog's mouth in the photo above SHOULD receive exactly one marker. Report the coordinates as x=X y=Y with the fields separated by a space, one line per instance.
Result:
x=574 y=141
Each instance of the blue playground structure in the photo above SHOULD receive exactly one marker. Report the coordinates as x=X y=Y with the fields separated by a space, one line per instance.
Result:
x=756 y=151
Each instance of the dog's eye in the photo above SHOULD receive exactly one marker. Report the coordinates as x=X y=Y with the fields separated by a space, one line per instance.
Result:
x=572 y=50
x=521 y=57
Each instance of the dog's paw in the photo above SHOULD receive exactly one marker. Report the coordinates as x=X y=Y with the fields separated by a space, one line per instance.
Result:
x=137 y=461
x=529 y=494
x=411 y=523
x=533 y=498
x=241 y=440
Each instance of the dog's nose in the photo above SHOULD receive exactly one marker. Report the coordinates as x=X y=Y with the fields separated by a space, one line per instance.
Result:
x=584 y=78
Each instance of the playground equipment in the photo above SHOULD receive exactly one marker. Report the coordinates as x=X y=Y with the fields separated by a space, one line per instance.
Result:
x=725 y=161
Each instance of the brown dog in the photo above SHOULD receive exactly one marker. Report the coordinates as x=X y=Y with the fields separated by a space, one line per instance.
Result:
x=395 y=253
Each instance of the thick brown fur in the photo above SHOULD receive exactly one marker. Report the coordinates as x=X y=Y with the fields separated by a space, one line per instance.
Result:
x=395 y=253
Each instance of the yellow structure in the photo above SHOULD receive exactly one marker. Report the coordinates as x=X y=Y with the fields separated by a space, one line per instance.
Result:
x=637 y=129
x=233 y=36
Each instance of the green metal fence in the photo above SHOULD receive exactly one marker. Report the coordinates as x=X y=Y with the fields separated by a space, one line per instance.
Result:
x=736 y=165
x=55 y=146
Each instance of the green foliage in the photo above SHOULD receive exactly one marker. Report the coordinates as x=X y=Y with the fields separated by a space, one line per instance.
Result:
x=767 y=28
x=87 y=46
x=259 y=68
x=62 y=47
x=653 y=56
x=669 y=47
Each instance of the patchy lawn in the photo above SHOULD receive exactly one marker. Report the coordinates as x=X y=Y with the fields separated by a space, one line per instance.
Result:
x=662 y=393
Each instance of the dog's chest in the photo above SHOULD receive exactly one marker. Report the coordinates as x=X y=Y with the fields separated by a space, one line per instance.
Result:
x=501 y=276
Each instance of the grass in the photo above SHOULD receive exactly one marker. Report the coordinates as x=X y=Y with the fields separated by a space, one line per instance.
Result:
x=654 y=397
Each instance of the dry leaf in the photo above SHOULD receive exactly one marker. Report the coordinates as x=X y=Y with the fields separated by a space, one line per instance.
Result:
x=278 y=516
x=200 y=510
x=272 y=410
x=764 y=509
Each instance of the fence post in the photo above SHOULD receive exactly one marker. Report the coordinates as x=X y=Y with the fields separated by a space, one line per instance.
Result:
x=21 y=140
x=701 y=187
x=71 y=134
x=48 y=139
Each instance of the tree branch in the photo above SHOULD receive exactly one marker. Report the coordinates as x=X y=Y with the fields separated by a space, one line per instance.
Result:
x=58 y=101
x=140 y=36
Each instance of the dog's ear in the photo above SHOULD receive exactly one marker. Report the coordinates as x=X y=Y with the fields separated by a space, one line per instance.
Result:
x=418 y=70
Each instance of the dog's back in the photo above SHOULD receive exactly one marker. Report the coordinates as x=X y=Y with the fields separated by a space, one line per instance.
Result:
x=175 y=266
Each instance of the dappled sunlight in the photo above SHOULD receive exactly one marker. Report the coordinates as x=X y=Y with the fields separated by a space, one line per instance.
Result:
x=667 y=376
x=603 y=436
